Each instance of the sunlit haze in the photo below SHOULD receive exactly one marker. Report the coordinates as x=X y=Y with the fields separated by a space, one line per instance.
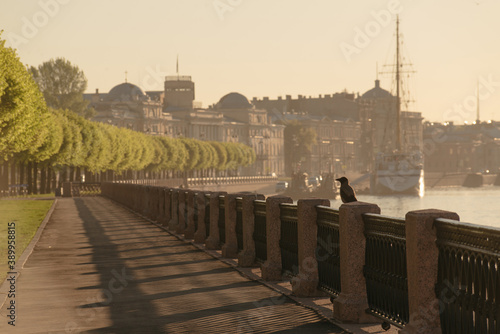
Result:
x=271 y=48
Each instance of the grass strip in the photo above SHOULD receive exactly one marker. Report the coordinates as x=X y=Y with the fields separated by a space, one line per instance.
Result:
x=27 y=215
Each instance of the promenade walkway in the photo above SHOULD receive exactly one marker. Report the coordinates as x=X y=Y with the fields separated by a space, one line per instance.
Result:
x=98 y=268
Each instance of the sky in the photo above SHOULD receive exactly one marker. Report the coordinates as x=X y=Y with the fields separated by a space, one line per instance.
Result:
x=272 y=47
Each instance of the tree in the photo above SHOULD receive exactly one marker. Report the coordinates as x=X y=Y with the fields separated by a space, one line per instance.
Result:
x=63 y=85
x=298 y=141
x=23 y=112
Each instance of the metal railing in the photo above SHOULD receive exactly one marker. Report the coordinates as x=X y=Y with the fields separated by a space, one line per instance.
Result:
x=259 y=233
x=239 y=223
x=80 y=189
x=289 y=239
x=145 y=182
x=328 y=250
x=210 y=181
x=468 y=286
x=385 y=268
x=222 y=220
x=15 y=190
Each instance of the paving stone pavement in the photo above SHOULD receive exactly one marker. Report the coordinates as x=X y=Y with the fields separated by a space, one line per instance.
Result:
x=99 y=268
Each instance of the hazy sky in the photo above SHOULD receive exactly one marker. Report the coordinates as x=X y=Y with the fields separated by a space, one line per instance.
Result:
x=271 y=47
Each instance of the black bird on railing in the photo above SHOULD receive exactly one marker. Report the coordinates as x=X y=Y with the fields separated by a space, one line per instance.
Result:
x=347 y=194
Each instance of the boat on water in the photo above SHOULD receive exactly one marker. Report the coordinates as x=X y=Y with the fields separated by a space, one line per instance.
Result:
x=398 y=169
x=399 y=173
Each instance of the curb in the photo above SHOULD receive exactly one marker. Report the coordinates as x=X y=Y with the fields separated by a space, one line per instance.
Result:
x=25 y=255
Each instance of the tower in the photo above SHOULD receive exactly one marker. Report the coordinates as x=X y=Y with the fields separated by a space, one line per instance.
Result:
x=179 y=92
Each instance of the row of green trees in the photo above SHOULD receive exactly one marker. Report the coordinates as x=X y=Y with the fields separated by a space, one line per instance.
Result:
x=31 y=132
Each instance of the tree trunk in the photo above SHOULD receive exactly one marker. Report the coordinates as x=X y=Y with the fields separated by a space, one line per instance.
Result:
x=48 y=180
x=13 y=174
x=43 y=180
x=35 y=178
x=53 y=179
x=29 y=172
x=4 y=178
x=21 y=173
x=78 y=174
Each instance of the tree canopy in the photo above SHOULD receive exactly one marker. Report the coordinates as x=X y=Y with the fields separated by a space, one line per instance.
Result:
x=63 y=85
x=57 y=136
x=299 y=140
x=24 y=115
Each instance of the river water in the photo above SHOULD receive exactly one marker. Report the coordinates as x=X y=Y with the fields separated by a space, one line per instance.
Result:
x=480 y=206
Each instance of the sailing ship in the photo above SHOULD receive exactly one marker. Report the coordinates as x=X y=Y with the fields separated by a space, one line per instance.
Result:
x=399 y=170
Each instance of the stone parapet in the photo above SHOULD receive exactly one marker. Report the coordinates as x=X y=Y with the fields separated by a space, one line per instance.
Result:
x=213 y=240
x=352 y=302
x=271 y=269
x=422 y=266
x=246 y=258
x=306 y=283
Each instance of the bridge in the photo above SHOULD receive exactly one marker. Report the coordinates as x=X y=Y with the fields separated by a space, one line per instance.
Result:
x=157 y=259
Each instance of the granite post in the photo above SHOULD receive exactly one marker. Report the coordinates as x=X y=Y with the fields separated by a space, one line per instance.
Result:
x=201 y=233
x=168 y=206
x=190 y=227
x=246 y=258
x=136 y=194
x=161 y=205
x=306 y=282
x=213 y=240
x=230 y=247
x=145 y=204
x=352 y=302
x=271 y=269
x=181 y=227
x=422 y=268
x=174 y=210
x=153 y=203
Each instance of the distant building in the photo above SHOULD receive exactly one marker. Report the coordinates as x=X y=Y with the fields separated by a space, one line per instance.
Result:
x=336 y=106
x=351 y=129
x=173 y=113
x=334 y=118
x=365 y=125
x=469 y=148
x=246 y=124
x=336 y=148
x=127 y=106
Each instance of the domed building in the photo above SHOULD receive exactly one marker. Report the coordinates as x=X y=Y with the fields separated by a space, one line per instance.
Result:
x=127 y=105
x=376 y=92
x=126 y=92
x=246 y=124
x=173 y=113
x=233 y=101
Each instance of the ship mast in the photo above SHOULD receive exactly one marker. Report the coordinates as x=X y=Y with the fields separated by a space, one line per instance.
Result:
x=398 y=102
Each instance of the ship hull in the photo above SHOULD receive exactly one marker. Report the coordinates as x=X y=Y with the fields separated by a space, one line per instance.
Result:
x=409 y=182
